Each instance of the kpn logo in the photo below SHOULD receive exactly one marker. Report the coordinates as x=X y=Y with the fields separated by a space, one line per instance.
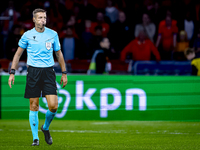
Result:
x=85 y=98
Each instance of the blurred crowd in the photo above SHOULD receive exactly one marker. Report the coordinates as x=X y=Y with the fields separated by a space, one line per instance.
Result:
x=136 y=29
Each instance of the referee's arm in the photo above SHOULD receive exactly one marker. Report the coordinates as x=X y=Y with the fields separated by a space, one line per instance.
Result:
x=15 y=64
x=61 y=61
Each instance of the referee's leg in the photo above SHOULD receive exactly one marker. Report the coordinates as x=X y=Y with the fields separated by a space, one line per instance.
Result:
x=33 y=119
x=52 y=101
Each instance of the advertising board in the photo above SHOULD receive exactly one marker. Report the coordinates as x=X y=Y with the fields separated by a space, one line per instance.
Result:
x=111 y=97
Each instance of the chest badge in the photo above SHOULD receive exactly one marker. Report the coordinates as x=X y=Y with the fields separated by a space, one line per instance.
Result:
x=48 y=45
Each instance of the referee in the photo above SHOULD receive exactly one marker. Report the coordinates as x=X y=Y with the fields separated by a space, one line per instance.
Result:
x=41 y=80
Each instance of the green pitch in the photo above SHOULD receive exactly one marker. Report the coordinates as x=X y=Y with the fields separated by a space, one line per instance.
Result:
x=94 y=135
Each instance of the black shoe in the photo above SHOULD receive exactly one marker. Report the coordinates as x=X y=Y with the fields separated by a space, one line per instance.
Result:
x=47 y=136
x=35 y=142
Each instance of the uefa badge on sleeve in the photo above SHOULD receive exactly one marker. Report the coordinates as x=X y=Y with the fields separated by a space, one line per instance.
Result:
x=48 y=45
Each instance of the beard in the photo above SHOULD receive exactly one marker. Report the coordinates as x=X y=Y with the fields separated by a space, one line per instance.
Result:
x=44 y=24
x=41 y=25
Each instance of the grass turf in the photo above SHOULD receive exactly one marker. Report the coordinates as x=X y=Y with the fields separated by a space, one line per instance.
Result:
x=137 y=135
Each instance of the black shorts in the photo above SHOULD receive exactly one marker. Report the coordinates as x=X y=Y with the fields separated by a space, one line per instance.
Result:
x=40 y=82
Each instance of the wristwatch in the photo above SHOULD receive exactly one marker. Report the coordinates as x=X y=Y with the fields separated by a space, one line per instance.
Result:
x=64 y=72
x=12 y=71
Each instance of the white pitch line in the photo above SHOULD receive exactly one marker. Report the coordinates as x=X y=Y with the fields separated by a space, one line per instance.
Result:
x=99 y=123
x=103 y=131
x=71 y=131
x=90 y=131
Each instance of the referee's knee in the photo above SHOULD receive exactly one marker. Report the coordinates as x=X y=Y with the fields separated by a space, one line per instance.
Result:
x=34 y=104
x=34 y=107
x=53 y=109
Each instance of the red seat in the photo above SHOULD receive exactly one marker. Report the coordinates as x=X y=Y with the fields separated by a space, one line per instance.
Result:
x=118 y=65
x=79 y=65
x=83 y=65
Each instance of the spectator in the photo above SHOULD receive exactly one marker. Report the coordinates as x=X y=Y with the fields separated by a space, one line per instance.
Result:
x=86 y=39
x=26 y=19
x=54 y=17
x=183 y=42
x=77 y=13
x=167 y=35
x=88 y=10
x=100 y=58
x=148 y=4
x=87 y=25
x=56 y=10
x=72 y=23
x=195 y=61
x=141 y=49
x=196 y=44
x=97 y=37
x=111 y=11
x=181 y=46
x=150 y=7
x=12 y=43
x=147 y=26
x=7 y=24
x=196 y=66
x=155 y=14
x=120 y=33
x=70 y=45
x=76 y=19
x=100 y=22
x=187 y=24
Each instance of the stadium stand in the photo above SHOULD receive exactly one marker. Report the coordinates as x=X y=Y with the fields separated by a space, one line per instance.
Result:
x=16 y=18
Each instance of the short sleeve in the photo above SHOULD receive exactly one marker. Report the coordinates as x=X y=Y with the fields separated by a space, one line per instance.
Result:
x=56 y=45
x=23 y=42
x=194 y=62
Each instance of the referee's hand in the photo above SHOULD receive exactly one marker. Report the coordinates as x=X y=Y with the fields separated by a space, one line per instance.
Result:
x=63 y=80
x=11 y=80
